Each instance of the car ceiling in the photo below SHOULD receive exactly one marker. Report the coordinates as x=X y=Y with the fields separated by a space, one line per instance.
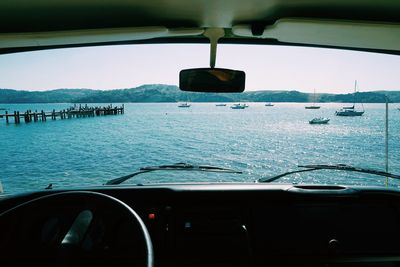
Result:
x=26 y=18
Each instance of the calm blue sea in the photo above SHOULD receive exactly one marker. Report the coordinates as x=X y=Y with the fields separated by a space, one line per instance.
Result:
x=260 y=141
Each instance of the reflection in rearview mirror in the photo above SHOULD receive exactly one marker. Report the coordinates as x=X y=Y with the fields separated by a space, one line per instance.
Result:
x=212 y=80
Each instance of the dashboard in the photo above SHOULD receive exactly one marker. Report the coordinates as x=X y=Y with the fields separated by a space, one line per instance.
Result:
x=220 y=225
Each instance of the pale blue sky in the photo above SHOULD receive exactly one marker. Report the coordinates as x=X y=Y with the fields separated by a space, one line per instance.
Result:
x=266 y=67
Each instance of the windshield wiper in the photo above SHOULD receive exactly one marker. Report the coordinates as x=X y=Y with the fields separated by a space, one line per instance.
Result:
x=173 y=167
x=341 y=167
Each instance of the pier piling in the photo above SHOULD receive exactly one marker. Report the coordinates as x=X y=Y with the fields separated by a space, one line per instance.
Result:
x=72 y=112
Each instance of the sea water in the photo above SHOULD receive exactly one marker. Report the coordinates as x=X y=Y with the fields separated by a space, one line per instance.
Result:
x=260 y=141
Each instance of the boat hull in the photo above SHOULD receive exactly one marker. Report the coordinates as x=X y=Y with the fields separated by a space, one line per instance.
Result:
x=312 y=107
x=319 y=121
x=184 y=105
x=348 y=113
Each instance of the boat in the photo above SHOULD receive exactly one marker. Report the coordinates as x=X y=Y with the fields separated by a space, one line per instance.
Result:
x=352 y=107
x=319 y=120
x=269 y=104
x=220 y=105
x=239 y=106
x=313 y=106
x=184 y=105
x=350 y=111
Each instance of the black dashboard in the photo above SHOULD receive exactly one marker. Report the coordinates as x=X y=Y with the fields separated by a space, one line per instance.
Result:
x=232 y=225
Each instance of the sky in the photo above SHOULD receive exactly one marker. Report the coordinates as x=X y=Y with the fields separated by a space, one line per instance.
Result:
x=266 y=67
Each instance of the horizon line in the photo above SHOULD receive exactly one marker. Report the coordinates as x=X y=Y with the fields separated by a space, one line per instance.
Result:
x=246 y=91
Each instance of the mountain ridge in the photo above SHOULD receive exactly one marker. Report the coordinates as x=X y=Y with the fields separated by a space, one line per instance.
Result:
x=159 y=93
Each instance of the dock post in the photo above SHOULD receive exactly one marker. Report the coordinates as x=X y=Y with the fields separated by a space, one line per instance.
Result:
x=84 y=112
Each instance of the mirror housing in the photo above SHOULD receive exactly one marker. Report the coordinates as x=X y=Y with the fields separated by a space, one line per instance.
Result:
x=212 y=80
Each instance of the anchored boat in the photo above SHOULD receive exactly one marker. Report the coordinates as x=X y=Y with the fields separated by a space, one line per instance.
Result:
x=319 y=120
x=346 y=112
x=313 y=106
x=184 y=105
x=239 y=106
x=351 y=111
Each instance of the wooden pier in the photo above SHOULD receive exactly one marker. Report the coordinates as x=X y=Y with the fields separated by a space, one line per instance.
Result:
x=72 y=112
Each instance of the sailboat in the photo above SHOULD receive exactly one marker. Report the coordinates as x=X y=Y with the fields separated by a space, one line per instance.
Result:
x=350 y=111
x=313 y=106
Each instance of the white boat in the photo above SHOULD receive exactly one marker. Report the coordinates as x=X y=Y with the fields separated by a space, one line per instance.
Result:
x=313 y=106
x=220 y=105
x=351 y=111
x=319 y=120
x=239 y=106
x=269 y=104
x=184 y=105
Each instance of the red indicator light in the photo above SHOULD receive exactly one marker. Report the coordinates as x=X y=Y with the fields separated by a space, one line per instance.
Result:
x=152 y=216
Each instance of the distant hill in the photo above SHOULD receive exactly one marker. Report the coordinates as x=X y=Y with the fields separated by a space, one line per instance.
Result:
x=171 y=93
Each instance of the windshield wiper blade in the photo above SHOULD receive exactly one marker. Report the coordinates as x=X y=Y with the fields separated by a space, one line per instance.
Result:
x=173 y=167
x=341 y=167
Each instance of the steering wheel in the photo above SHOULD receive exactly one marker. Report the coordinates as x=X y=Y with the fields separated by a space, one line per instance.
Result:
x=63 y=228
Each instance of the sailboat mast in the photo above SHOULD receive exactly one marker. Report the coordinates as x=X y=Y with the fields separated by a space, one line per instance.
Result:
x=314 y=97
x=355 y=91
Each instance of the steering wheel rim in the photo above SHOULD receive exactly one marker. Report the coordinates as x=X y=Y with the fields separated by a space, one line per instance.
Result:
x=94 y=196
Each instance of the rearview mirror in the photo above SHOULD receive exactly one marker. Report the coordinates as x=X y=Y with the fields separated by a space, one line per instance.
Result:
x=212 y=80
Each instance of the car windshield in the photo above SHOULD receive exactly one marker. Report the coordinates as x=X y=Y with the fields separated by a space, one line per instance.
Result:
x=84 y=116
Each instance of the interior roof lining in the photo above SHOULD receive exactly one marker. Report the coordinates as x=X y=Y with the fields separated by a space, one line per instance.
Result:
x=196 y=40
